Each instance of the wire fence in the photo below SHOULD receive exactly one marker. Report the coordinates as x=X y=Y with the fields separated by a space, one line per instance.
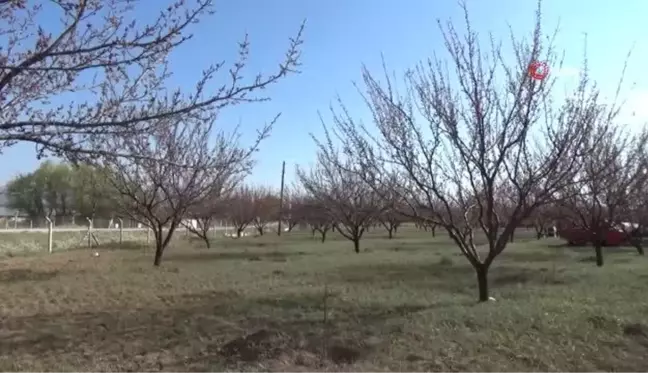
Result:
x=24 y=222
x=22 y=234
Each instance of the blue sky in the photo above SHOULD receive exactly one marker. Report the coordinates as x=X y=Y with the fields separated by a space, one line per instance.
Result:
x=341 y=35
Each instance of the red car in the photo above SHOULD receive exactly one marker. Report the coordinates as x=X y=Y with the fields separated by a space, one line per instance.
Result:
x=580 y=236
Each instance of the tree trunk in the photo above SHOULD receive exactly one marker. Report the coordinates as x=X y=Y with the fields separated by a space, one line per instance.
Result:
x=512 y=237
x=356 y=245
x=161 y=242
x=395 y=228
x=206 y=241
x=158 y=255
x=433 y=231
x=636 y=242
x=159 y=247
x=238 y=232
x=323 y=236
x=260 y=230
x=482 y=282
x=313 y=232
x=391 y=233
x=639 y=247
x=598 y=249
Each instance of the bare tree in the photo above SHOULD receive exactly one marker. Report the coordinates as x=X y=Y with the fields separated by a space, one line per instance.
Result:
x=266 y=205
x=202 y=216
x=613 y=175
x=296 y=207
x=542 y=218
x=391 y=217
x=241 y=209
x=350 y=203
x=488 y=126
x=317 y=217
x=634 y=215
x=118 y=64
x=198 y=165
x=421 y=223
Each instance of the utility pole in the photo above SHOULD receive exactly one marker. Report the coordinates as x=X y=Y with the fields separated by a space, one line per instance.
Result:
x=281 y=197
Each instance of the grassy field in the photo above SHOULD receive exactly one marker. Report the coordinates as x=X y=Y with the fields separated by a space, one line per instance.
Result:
x=292 y=303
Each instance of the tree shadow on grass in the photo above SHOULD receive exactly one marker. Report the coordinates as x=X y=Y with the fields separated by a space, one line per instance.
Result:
x=588 y=249
x=606 y=249
x=459 y=279
x=125 y=245
x=273 y=256
x=25 y=274
x=234 y=242
x=131 y=339
x=401 y=273
x=189 y=334
x=315 y=304
x=243 y=242
x=435 y=245
x=535 y=255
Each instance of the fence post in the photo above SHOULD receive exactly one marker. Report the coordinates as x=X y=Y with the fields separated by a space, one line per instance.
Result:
x=49 y=234
x=89 y=233
x=31 y=224
x=121 y=230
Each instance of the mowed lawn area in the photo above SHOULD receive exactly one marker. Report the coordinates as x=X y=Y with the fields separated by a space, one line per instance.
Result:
x=293 y=303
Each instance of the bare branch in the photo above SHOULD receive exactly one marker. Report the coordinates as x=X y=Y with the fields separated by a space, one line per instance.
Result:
x=102 y=72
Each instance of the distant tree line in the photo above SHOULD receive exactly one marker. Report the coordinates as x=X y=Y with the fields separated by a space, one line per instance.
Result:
x=59 y=189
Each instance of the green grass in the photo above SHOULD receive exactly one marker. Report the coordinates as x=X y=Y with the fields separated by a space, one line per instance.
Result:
x=292 y=303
